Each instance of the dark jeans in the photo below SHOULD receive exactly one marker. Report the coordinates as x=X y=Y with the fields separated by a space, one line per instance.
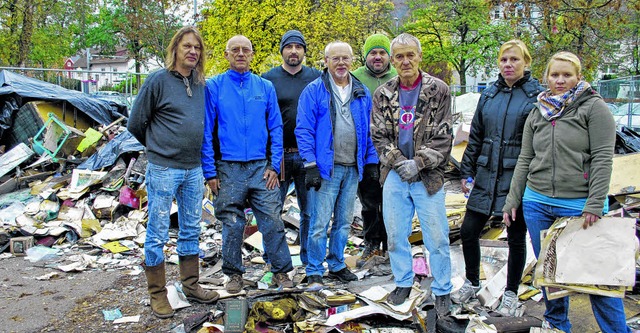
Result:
x=370 y=194
x=294 y=172
x=241 y=182
x=472 y=226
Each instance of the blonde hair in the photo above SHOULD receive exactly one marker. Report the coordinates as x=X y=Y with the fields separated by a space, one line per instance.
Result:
x=170 y=60
x=521 y=46
x=564 y=56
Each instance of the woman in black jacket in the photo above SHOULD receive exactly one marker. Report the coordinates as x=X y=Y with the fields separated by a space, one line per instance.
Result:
x=490 y=157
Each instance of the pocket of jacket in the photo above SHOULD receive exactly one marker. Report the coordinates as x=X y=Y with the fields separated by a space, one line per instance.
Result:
x=509 y=163
x=483 y=160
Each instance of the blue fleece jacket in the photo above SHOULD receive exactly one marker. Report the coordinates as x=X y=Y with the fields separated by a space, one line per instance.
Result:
x=242 y=121
x=315 y=125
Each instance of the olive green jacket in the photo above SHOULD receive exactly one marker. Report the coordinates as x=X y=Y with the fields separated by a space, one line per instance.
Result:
x=569 y=157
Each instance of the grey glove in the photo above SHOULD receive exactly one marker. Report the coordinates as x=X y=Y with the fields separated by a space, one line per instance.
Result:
x=407 y=169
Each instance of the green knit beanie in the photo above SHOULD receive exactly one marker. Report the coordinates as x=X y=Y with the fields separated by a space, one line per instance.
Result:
x=376 y=41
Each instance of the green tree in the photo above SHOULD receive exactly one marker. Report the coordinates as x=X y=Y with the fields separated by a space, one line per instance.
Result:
x=628 y=55
x=264 y=22
x=588 y=28
x=144 y=28
x=40 y=33
x=458 y=33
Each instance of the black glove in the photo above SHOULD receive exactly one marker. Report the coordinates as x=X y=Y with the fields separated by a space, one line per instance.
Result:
x=371 y=171
x=312 y=177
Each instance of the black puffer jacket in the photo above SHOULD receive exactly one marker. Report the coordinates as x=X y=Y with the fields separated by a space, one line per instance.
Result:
x=494 y=141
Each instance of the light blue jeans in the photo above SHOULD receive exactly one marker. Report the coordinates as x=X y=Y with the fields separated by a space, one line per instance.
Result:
x=608 y=311
x=163 y=185
x=336 y=196
x=399 y=202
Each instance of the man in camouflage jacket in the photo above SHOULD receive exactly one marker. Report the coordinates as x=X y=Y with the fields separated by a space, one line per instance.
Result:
x=411 y=131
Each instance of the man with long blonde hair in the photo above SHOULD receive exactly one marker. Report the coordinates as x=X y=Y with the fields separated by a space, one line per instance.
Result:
x=168 y=119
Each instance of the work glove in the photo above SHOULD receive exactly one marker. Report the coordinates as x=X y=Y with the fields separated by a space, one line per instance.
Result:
x=407 y=169
x=312 y=178
x=371 y=171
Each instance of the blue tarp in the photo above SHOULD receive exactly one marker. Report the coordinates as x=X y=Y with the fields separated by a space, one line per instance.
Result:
x=16 y=90
x=108 y=155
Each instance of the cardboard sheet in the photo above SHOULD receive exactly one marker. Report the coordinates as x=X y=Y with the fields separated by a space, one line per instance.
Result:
x=603 y=254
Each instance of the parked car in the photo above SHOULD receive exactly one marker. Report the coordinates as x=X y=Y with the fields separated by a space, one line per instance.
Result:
x=623 y=118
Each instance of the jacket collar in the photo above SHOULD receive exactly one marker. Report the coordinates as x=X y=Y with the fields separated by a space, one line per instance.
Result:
x=392 y=86
x=237 y=76
x=357 y=88
x=528 y=84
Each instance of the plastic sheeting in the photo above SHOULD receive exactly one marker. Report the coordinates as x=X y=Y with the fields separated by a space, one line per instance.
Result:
x=16 y=90
x=108 y=155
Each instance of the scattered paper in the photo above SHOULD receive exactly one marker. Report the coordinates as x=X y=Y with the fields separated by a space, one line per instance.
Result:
x=176 y=298
x=47 y=276
x=115 y=247
x=130 y=319
x=112 y=314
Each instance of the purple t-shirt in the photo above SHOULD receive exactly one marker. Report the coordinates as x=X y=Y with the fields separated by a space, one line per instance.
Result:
x=408 y=101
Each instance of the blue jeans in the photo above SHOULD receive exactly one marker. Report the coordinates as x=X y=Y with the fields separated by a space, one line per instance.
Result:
x=294 y=172
x=241 y=182
x=608 y=311
x=399 y=202
x=187 y=187
x=336 y=196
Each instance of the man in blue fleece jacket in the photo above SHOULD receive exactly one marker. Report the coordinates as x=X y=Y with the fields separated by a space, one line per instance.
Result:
x=241 y=155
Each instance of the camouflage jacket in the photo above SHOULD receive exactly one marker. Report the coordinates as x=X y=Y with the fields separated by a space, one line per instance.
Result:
x=432 y=132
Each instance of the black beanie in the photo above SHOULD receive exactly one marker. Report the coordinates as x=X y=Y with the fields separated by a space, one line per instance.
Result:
x=292 y=36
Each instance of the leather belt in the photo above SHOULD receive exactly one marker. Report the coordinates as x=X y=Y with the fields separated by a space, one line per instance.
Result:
x=291 y=150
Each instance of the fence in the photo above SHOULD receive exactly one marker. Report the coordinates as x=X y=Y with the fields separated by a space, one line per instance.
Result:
x=622 y=96
x=89 y=82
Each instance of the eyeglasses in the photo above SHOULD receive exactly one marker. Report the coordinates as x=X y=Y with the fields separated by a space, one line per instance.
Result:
x=336 y=60
x=188 y=85
x=236 y=50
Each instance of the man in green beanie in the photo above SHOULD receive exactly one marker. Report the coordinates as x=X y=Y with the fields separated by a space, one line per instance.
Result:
x=376 y=71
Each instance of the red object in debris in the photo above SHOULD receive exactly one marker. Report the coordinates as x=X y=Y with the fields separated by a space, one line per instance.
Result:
x=128 y=197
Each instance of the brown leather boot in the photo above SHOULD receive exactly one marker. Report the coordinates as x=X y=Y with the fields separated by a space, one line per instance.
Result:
x=190 y=274
x=156 y=284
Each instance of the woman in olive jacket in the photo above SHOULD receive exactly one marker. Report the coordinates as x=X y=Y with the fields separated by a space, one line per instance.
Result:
x=490 y=157
x=564 y=169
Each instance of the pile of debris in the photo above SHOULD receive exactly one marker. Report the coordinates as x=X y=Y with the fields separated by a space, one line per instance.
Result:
x=73 y=193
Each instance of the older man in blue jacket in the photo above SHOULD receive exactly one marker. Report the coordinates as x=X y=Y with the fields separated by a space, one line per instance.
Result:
x=241 y=154
x=332 y=130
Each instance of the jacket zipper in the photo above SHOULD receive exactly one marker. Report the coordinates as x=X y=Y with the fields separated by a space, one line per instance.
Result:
x=553 y=159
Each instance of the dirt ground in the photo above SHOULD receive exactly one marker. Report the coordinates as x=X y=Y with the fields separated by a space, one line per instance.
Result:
x=73 y=302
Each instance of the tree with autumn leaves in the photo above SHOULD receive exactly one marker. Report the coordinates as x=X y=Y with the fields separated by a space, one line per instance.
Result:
x=264 y=22
x=460 y=35
x=592 y=29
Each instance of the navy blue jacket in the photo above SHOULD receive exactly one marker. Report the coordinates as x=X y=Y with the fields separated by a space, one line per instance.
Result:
x=494 y=141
